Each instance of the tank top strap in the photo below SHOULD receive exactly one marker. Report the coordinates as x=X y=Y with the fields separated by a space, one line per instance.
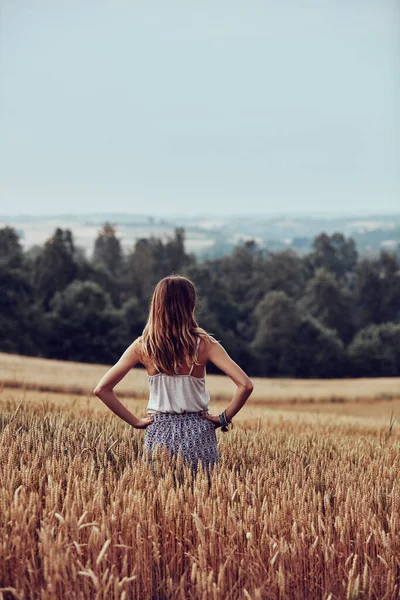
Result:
x=197 y=350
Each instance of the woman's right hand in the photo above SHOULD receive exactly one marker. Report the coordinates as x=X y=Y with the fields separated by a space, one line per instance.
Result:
x=213 y=418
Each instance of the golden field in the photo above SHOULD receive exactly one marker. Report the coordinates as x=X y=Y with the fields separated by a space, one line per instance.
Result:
x=304 y=504
x=56 y=375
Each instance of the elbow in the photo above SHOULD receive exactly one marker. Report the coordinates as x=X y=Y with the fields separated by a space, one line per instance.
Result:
x=98 y=390
x=101 y=389
x=248 y=386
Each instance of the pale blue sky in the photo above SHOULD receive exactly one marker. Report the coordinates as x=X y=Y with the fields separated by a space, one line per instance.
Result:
x=199 y=107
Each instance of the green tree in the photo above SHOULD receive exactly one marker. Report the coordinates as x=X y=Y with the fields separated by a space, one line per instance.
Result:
x=330 y=302
x=284 y=271
x=106 y=280
x=278 y=319
x=239 y=273
x=289 y=343
x=377 y=289
x=108 y=250
x=11 y=254
x=83 y=325
x=151 y=260
x=375 y=351
x=18 y=319
x=317 y=351
x=176 y=257
x=389 y=274
x=238 y=270
x=55 y=267
x=335 y=253
x=141 y=270
x=134 y=317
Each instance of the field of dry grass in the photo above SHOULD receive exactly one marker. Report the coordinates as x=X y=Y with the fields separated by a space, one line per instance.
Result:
x=78 y=378
x=305 y=503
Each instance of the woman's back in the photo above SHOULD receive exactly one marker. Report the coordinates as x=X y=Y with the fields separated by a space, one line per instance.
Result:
x=179 y=393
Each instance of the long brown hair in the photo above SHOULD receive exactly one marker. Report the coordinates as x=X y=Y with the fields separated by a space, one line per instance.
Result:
x=171 y=330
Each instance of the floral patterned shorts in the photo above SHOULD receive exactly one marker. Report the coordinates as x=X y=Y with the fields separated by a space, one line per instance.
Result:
x=189 y=432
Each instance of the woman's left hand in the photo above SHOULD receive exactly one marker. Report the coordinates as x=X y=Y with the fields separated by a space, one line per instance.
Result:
x=213 y=418
x=143 y=423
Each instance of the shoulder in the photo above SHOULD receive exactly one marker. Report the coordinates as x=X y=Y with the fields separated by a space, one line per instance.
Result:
x=138 y=348
x=207 y=342
x=138 y=342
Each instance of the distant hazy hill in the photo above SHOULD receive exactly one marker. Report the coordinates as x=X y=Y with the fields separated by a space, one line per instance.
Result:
x=210 y=236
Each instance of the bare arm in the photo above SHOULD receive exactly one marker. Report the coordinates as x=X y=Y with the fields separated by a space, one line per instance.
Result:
x=219 y=357
x=105 y=388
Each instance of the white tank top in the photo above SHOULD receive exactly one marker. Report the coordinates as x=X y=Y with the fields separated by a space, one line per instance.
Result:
x=178 y=393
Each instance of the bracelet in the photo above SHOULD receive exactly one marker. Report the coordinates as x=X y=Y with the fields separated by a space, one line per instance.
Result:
x=224 y=421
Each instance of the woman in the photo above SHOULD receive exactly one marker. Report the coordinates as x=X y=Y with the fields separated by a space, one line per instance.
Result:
x=175 y=350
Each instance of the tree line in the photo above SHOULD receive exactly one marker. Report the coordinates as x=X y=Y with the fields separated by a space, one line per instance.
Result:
x=330 y=313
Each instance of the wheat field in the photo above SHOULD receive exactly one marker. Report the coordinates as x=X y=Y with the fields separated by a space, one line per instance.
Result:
x=78 y=378
x=305 y=503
